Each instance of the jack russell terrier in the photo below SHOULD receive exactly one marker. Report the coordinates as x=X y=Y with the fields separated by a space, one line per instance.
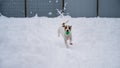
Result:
x=65 y=31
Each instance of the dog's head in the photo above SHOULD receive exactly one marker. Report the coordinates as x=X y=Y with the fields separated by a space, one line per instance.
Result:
x=67 y=29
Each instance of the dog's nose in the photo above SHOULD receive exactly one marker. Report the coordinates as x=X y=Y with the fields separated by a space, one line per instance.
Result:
x=67 y=30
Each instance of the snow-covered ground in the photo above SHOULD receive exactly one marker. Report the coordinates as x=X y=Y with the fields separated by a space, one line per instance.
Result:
x=34 y=43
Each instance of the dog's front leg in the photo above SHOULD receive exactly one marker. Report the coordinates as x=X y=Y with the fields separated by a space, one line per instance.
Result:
x=66 y=43
x=71 y=40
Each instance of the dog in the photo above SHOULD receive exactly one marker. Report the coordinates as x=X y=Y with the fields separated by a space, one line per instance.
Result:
x=65 y=31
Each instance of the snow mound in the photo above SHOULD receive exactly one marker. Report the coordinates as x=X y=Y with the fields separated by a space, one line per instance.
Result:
x=34 y=43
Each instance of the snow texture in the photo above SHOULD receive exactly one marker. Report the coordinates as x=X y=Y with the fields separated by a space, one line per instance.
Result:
x=34 y=43
x=57 y=1
x=50 y=1
x=50 y=13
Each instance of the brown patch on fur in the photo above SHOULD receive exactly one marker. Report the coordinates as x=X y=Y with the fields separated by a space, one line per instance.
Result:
x=63 y=24
x=70 y=28
x=65 y=27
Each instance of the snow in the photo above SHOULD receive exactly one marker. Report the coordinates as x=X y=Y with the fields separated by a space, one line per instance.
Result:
x=50 y=1
x=50 y=13
x=57 y=1
x=59 y=12
x=65 y=5
x=31 y=12
x=34 y=43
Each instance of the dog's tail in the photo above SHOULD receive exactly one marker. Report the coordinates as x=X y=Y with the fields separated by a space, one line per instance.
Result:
x=63 y=24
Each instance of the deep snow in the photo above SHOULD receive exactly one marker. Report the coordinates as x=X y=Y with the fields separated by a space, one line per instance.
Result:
x=34 y=43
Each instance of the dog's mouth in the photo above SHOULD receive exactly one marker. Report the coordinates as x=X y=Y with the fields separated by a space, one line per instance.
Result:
x=67 y=32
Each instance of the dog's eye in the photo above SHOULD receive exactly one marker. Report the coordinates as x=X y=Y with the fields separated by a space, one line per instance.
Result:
x=65 y=27
x=70 y=28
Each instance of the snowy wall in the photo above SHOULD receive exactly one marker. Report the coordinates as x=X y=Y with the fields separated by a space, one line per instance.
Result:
x=109 y=8
x=78 y=8
x=31 y=8
x=43 y=7
x=14 y=8
x=74 y=8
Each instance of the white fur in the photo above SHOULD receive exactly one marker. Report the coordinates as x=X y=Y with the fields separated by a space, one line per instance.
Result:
x=65 y=37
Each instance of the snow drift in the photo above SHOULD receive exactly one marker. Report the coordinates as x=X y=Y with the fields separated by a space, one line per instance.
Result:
x=34 y=43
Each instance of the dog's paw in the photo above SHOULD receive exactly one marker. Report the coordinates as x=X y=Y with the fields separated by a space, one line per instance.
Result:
x=67 y=46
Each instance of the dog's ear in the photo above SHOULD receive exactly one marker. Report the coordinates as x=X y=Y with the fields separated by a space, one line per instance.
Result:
x=63 y=24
